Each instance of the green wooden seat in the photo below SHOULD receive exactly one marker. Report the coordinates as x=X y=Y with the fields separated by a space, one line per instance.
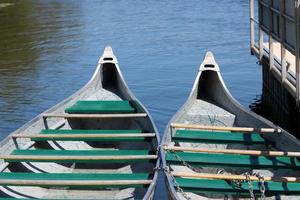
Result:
x=218 y=137
x=100 y=107
x=81 y=156
x=225 y=187
x=80 y=132
x=228 y=160
x=74 y=180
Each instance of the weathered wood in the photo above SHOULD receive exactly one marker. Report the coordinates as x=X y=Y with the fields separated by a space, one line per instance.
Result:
x=70 y=158
x=233 y=177
x=225 y=128
x=88 y=116
x=73 y=182
x=83 y=135
x=235 y=151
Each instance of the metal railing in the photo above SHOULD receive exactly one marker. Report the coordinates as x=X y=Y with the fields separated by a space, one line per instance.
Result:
x=280 y=21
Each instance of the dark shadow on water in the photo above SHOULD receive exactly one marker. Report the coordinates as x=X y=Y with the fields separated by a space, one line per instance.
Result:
x=288 y=121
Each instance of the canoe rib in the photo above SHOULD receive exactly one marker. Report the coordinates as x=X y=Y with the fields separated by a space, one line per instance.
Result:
x=225 y=128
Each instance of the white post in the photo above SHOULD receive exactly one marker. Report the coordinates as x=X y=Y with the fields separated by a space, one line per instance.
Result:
x=271 y=51
x=271 y=40
x=282 y=37
x=261 y=34
x=251 y=23
x=261 y=44
x=283 y=64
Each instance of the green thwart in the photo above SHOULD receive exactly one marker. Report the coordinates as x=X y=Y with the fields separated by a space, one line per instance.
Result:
x=81 y=153
x=100 y=107
x=227 y=187
x=238 y=161
x=218 y=137
x=77 y=131
x=72 y=177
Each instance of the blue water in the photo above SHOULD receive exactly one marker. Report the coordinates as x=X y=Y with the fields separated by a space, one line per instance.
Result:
x=49 y=49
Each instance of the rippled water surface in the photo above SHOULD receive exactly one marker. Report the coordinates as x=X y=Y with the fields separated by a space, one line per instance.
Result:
x=49 y=49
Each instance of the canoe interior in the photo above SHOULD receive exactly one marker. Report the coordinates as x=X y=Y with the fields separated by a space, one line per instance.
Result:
x=210 y=103
x=107 y=84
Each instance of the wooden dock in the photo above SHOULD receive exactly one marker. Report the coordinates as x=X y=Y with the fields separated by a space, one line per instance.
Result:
x=278 y=24
x=275 y=41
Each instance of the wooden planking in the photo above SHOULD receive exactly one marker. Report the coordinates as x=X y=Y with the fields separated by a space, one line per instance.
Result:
x=83 y=135
x=71 y=158
x=74 y=182
x=235 y=151
x=90 y=116
x=233 y=177
x=225 y=128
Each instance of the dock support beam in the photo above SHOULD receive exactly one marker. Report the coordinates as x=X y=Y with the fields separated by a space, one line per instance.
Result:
x=252 y=40
x=261 y=44
x=297 y=57
x=271 y=52
x=282 y=37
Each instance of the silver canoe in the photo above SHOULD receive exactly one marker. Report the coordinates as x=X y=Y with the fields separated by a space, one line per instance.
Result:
x=209 y=106
x=107 y=84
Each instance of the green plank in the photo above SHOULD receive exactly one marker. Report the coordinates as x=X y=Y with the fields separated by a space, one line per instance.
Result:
x=99 y=107
x=226 y=187
x=218 y=137
x=81 y=153
x=74 y=177
x=228 y=160
x=77 y=131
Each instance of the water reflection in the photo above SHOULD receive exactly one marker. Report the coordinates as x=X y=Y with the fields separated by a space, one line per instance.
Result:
x=287 y=118
x=27 y=39
x=49 y=49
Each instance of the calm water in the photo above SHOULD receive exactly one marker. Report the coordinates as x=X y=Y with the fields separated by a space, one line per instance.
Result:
x=49 y=49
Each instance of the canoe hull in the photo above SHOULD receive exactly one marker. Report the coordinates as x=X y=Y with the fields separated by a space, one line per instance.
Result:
x=210 y=87
x=107 y=83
